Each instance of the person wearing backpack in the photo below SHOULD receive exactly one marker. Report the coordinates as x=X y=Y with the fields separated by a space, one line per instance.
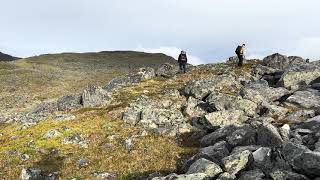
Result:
x=182 y=60
x=240 y=53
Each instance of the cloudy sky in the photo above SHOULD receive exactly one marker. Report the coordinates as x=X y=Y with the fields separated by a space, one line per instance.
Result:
x=209 y=30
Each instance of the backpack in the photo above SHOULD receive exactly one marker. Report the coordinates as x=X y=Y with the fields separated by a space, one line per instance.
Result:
x=183 y=58
x=238 y=50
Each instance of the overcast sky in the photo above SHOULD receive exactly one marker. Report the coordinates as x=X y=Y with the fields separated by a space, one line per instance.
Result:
x=209 y=30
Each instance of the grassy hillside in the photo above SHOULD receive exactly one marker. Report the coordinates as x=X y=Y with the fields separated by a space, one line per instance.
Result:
x=31 y=80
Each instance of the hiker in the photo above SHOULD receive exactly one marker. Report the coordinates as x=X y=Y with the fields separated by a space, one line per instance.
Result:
x=182 y=60
x=240 y=53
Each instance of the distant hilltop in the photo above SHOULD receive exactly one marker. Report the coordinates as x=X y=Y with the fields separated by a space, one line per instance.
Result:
x=6 y=57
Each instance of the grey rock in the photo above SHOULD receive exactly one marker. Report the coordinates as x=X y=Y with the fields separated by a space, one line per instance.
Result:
x=237 y=162
x=205 y=166
x=69 y=102
x=285 y=132
x=76 y=139
x=250 y=148
x=202 y=88
x=193 y=108
x=291 y=150
x=24 y=157
x=274 y=111
x=226 y=176
x=167 y=70
x=64 y=117
x=94 y=96
x=262 y=159
x=309 y=163
x=225 y=118
x=300 y=116
x=197 y=176
x=277 y=61
x=146 y=73
x=216 y=136
x=298 y=76
x=128 y=144
x=283 y=174
x=37 y=174
x=259 y=91
x=83 y=163
x=296 y=60
x=52 y=134
x=268 y=135
x=252 y=175
x=316 y=86
x=104 y=175
x=45 y=107
x=306 y=99
x=233 y=60
x=242 y=136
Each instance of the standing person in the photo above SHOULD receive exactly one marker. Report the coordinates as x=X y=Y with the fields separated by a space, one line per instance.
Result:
x=182 y=60
x=240 y=54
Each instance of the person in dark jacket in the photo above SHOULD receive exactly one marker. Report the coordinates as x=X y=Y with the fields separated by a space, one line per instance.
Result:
x=240 y=54
x=182 y=60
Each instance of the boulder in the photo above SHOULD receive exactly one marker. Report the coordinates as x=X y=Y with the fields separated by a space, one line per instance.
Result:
x=167 y=70
x=268 y=135
x=233 y=60
x=216 y=136
x=250 y=148
x=76 y=139
x=274 y=111
x=200 y=89
x=94 y=96
x=296 y=60
x=193 y=108
x=81 y=163
x=291 y=150
x=34 y=174
x=277 y=61
x=283 y=174
x=52 y=134
x=205 y=166
x=297 y=76
x=309 y=163
x=262 y=159
x=104 y=175
x=124 y=81
x=226 y=176
x=242 y=136
x=225 y=118
x=256 y=174
x=259 y=91
x=237 y=162
x=45 y=107
x=69 y=102
x=146 y=73
x=309 y=98
x=197 y=176
x=300 y=116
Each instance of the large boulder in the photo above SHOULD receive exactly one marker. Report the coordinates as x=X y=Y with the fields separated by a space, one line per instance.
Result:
x=202 y=88
x=94 y=96
x=268 y=135
x=205 y=166
x=225 y=118
x=216 y=136
x=296 y=60
x=291 y=150
x=194 y=107
x=167 y=70
x=309 y=163
x=237 y=162
x=242 y=136
x=259 y=91
x=220 y=101
x=301 y=75
x=69 y=102
x=277 y=61
x=309 y=98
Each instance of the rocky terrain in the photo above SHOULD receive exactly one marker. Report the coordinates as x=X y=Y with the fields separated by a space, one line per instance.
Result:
x=218 y=121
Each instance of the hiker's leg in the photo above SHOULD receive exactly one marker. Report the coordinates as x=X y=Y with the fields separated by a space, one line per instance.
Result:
x=180 y=67
x=184 y=67
x=240 y=60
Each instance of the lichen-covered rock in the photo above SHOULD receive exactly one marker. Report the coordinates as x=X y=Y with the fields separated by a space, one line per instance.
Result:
x=225 y=118
x=306 y=99
x=297 y=76
x=300 y=116
x=226 y=176
x=197 y=176
x=256 y=174
x=76 y=139
x=94 y=96
x=291 y=150
x=237 y=162
x=262 y=159
x=277 y=61
x=167 y=70
x=242 y=136
x=35 y=174
x=52 y=134
x=69 y=102
x=193 y=108
x=216 y=136
x=259 y=91
x=205 y=166
x=283 y=174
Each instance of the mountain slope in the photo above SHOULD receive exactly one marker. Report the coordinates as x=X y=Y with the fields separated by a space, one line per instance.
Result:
x=6 y=57
x=31 y=80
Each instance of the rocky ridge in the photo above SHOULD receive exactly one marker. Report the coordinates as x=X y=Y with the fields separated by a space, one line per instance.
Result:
x=256 y=122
